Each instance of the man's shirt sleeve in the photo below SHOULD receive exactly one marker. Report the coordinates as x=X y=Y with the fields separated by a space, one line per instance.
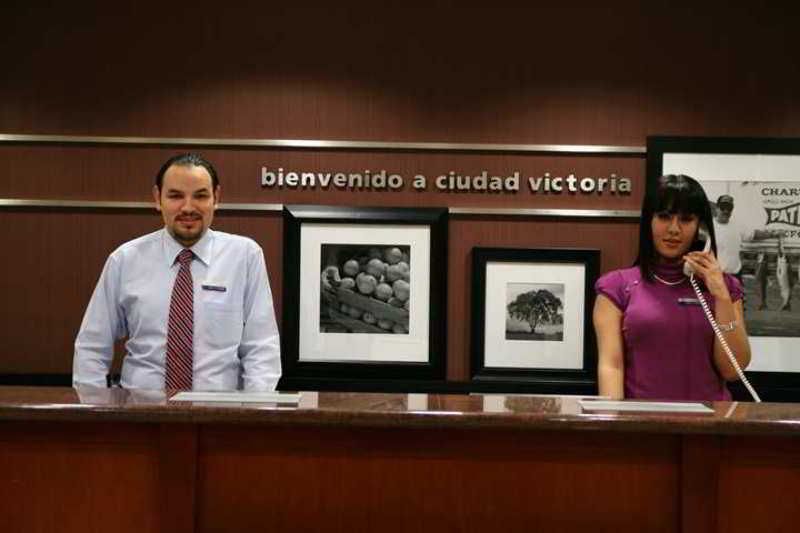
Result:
x=102 y=324
x=259 y=350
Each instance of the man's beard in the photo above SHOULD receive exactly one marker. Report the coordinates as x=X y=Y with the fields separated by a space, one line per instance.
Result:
x=187 y=236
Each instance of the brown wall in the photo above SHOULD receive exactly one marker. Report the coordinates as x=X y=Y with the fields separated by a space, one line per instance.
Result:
x=606 y=75
x=610 y=74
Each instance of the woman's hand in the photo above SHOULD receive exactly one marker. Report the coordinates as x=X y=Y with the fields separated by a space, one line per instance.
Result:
x=707 y=268
x=726 y=312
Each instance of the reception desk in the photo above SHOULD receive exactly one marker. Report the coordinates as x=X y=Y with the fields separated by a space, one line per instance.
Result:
x=115 y=460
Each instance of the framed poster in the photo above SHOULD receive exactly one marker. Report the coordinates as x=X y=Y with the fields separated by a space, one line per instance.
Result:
x=531 y=314
x=364 y=292
x=754 y=189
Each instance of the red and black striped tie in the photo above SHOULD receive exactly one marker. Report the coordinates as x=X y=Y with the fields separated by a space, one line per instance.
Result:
x=180 y=327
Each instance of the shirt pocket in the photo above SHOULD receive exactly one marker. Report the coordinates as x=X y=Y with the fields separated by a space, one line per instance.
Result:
x=223 y=324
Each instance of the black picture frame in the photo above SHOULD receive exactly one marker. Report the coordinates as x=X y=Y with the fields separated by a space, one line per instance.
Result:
x=578 y=378
x=337 y=371
x=771 y=384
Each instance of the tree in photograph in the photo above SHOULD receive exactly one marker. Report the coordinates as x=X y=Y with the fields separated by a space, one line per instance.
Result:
x=535 y=307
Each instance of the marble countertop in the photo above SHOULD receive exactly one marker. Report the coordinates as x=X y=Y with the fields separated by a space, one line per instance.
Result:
x=475 y=411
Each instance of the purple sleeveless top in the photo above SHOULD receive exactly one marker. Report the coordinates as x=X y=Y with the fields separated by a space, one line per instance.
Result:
x=668 y=344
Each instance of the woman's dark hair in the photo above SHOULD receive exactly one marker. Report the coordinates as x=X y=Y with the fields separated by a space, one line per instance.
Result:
x=674 y=194
x=187 y=160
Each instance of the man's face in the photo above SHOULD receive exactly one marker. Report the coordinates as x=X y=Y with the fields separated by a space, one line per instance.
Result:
x=724 y=213
x=187 y=202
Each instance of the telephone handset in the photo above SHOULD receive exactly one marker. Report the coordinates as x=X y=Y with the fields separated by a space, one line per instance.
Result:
x=704 y=238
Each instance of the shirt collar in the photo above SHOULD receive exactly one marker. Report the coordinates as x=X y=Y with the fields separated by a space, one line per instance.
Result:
x=202 y=248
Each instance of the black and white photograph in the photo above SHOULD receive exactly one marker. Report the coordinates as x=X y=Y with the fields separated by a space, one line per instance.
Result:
x=535 y=312
x=753 y=185
x=756 y=224
x=531 y=313
x=365 y=292
x=365 y=289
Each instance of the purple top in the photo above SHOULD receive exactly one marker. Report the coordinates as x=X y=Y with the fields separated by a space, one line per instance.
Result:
x=669 y=345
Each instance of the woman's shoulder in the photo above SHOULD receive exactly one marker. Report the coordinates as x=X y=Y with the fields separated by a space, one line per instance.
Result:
x=616 y=285
x=621 y=276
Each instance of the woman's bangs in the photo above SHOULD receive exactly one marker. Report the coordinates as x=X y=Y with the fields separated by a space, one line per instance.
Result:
x=673 y=200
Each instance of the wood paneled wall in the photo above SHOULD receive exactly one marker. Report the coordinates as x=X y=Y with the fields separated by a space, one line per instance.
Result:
x=57 y=259
x=607 y=75
x=126 y=173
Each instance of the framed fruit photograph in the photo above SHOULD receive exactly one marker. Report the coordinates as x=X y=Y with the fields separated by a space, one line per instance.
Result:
x=531 y=312
x=362 y=296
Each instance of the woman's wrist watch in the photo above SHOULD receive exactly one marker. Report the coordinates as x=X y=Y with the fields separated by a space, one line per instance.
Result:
x=727 y=328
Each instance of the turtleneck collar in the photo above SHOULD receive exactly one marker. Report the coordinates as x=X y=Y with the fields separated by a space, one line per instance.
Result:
x=669 y=271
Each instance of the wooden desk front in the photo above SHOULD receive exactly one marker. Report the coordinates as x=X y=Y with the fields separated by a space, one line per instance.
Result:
x=112 y=460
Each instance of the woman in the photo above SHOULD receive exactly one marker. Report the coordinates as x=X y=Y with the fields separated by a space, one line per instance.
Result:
x=654 y=341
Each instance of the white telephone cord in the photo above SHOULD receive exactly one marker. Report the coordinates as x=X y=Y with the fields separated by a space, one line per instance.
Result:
x=722 y=340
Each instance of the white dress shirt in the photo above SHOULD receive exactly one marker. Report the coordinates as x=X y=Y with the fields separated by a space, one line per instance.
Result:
x=729 y=243
x=236 y=340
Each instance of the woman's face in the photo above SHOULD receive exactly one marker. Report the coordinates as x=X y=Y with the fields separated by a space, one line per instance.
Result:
x=673 y=234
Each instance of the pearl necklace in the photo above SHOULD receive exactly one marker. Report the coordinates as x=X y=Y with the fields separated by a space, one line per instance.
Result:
x=665 y=282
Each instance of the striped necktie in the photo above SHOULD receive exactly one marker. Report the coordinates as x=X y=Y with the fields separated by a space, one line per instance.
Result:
x=180 y=327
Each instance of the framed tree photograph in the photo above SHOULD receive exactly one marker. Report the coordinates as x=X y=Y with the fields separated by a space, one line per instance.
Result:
x=364 y=293
x=531 y=313
x=753 y=186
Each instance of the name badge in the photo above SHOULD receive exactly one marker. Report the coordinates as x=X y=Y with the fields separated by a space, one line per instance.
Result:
x=688 y=301
x=218 y=288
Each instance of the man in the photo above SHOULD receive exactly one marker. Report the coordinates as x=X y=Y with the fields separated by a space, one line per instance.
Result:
x=729 y=237
x=729 y=242
x=195 y=304
x=784 y=276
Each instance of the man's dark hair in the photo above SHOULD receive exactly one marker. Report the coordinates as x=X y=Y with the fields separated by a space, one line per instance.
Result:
x=675 y=194
x=187 y=160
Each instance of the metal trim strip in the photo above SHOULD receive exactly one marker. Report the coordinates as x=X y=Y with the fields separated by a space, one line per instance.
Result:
x=24 y=202
x=463 y=211
x=595 y=149
x=579 y=213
